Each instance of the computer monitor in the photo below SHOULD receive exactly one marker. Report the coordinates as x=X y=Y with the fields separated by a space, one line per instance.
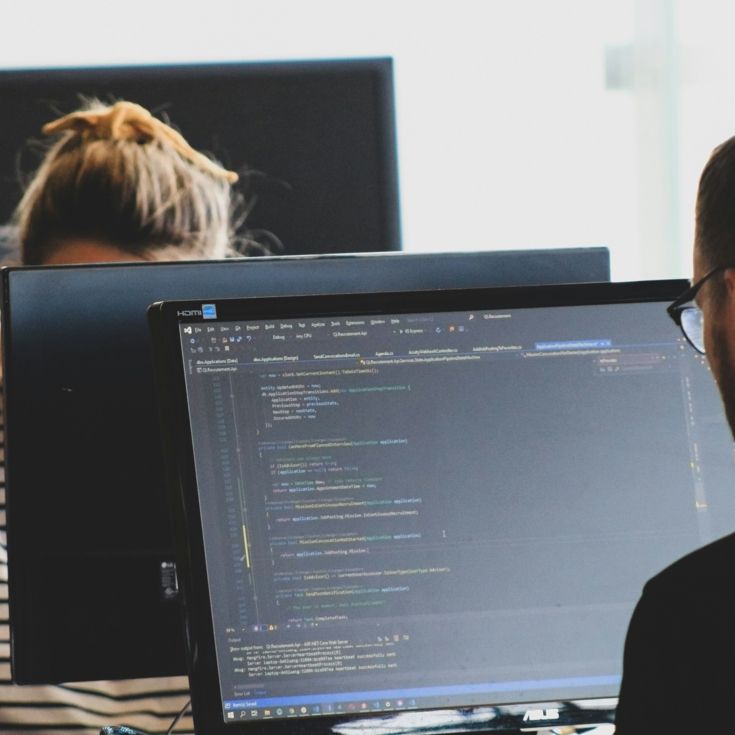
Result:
x=443 y=500
x=88 y=518
x=318 y=136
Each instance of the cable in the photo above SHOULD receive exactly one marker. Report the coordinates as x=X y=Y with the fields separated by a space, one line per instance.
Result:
x=178 y=717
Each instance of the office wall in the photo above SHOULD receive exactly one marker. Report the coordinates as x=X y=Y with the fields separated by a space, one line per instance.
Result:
x=522 y=123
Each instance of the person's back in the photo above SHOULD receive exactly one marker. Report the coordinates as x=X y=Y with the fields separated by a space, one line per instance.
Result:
x=679 y=647
x=117 y=185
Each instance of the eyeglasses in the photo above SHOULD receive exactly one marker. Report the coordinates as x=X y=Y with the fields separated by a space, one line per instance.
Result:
x=688 y=316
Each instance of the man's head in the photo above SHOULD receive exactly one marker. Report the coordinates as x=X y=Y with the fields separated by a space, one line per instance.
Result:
x=119 y=184
x=714 y=245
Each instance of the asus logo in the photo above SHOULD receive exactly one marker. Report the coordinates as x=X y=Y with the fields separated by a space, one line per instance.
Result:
x=534 y=715
x=189 y=312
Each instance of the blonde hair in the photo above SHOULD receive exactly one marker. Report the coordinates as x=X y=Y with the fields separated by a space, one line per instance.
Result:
x=119 y=175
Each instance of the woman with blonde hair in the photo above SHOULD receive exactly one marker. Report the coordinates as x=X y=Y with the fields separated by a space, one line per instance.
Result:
x=120 y=184
x=117 y=185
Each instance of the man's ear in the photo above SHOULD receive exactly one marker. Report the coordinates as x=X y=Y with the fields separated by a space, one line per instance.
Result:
x=729 y=278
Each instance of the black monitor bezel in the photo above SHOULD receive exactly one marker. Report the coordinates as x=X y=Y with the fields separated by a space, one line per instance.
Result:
x=173 y=409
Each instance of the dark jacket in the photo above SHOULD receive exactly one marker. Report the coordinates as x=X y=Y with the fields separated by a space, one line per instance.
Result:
x=679 y=665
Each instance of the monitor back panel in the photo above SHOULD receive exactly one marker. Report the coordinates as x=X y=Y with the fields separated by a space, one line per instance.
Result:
x=87 y=513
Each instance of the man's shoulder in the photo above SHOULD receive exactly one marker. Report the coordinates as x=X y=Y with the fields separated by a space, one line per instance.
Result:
x=699 y=569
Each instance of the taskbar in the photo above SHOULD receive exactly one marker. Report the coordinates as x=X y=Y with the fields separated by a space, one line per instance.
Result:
x=390 y=700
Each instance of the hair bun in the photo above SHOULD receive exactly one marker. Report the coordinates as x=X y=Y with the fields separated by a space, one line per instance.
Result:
x=130 y=121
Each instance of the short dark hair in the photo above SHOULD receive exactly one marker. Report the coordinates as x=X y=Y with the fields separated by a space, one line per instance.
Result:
x=714 y=235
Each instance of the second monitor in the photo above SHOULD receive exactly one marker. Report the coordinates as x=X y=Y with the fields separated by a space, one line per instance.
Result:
x=317 y=138
x=88 y=520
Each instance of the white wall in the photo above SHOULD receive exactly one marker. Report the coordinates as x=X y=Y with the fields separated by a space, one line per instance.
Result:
x=522 y=123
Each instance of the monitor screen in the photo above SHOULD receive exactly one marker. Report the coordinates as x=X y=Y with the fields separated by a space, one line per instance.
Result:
x=87 y=512
x=318 y=137
x=433 y=501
